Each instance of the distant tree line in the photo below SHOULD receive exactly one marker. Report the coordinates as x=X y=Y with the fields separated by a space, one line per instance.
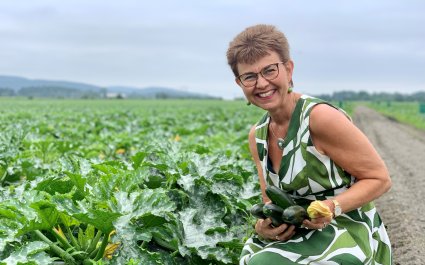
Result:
x=66 y=92
x=366 y=96
x=7 y=92
x=49 y=92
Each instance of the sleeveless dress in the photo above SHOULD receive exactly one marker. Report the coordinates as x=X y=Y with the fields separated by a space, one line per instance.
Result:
x=355 y=237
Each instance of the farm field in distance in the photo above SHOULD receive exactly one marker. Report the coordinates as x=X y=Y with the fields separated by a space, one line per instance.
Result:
x=131 y=181
x=412 y=113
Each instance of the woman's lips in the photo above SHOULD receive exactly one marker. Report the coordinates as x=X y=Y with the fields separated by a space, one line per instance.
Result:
x=266 y=94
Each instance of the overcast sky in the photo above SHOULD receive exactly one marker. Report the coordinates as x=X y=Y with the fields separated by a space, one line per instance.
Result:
x=336 y=45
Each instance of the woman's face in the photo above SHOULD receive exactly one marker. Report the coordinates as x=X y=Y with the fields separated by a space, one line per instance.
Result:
x=268 y=90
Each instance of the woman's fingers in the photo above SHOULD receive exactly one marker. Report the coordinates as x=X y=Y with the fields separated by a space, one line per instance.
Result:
x=281 y=229
x=263 y=224
x=285 y=232
x=317 y=223
x=262 y=227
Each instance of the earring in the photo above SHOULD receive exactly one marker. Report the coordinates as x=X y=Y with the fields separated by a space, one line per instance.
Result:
x=248 y=103
x=291 y=85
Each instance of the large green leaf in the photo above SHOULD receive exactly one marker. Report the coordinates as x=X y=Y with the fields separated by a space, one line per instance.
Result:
x=29 y=212
x=31 y=254
x=87 y=212
x=9 y=231
x=136 y=208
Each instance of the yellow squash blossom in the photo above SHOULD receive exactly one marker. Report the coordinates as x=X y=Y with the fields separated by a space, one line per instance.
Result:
x=318 y=209
x=120 y=151
x=59 y=231
x=110 y=249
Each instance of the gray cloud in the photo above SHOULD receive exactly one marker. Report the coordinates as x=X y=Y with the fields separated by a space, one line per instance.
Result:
x=336 y=45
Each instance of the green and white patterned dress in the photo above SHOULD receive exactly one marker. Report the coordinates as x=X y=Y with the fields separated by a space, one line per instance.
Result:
x=356 y=237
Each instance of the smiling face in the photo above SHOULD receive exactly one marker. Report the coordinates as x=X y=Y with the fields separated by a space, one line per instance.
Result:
x=267 y=94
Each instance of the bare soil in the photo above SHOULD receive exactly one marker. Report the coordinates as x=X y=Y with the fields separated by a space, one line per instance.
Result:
x=403 y=207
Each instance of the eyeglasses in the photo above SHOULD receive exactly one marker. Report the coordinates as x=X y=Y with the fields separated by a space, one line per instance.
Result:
x=269 y=73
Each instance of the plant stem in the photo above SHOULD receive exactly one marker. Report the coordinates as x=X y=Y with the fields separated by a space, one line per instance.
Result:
x=65 y=243
x=55 y=248
x=61 y=239
x=102 y=247
x=89 y=262
x=93 y=253
x=94 y=242
x=3 y=178
x=72 y=238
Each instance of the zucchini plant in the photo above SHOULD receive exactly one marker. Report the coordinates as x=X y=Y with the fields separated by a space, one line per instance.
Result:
x=172 y=191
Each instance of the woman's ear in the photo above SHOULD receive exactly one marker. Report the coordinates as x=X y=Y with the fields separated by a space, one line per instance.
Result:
x=238 y=82
x=289 y=65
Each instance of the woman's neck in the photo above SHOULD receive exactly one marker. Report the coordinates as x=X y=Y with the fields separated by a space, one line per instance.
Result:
x=282 y=115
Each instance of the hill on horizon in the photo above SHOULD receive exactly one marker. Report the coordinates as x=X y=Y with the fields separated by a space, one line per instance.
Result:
x=21 y=86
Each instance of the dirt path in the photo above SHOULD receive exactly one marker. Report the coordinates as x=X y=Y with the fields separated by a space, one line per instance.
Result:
x=403 y=207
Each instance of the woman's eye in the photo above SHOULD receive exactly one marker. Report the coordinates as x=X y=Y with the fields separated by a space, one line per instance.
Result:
x=249 y=77
x=269 y=71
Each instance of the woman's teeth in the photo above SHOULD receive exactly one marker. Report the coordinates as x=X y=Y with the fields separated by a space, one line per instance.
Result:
x=266 y=94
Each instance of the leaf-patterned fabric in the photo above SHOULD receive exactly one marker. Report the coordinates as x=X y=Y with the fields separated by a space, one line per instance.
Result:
x=356 y=237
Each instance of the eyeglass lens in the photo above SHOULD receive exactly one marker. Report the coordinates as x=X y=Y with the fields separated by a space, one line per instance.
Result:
x=269 y=72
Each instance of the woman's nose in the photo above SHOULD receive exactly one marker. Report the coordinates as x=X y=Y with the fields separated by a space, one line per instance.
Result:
x=261 y=81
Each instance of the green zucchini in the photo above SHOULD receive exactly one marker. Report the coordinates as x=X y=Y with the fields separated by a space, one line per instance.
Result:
x=294 y=215
x=257 y=211
x=279 y=197
x=274 y=212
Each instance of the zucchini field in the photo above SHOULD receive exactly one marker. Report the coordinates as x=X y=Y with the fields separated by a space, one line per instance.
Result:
x=125 y=181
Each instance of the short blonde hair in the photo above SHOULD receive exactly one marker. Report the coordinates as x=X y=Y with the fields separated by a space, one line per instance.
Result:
x=254 y=43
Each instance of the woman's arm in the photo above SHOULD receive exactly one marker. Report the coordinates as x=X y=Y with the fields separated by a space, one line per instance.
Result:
x=263 y=226
x=254 y=154
x=337 y=137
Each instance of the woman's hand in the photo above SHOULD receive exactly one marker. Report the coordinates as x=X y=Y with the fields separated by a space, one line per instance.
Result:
x=321 y=214
x=317 y=223
x=281 y=233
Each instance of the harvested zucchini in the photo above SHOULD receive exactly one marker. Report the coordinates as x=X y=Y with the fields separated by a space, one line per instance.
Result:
x=257 y=211
x=279 y=197
x=274 y=212
x=294 y=215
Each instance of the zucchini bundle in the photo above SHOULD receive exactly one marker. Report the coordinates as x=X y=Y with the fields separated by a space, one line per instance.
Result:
x=282 y=209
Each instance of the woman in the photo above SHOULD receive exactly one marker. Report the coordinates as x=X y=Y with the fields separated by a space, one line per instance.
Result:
x=313 y=151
